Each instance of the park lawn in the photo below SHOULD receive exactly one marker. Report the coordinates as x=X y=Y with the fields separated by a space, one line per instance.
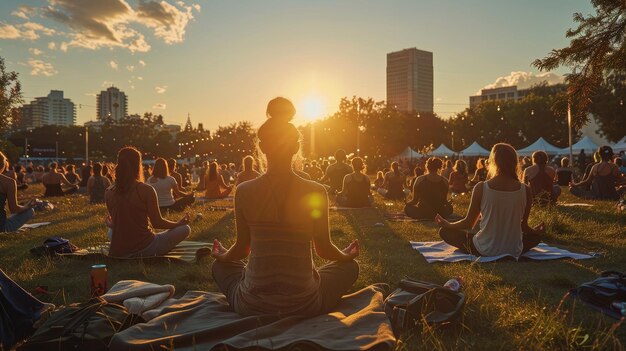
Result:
x=510 y=305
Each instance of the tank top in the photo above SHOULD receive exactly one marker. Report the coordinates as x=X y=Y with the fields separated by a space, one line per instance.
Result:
x=541 y=187
x=131 y=232
x=603 y=186
x=3 y=212
x=500 y=227
x=357 y=192
x=396 y=185
x=432 y=196
x=563 y=176
x=96 y=195
x=280 y=276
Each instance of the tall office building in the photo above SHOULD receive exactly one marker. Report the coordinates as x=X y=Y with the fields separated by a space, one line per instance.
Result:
x=410 y=80
x=53 y=109
x=112 y=103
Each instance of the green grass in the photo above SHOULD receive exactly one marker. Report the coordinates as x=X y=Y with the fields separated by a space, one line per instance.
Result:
x=510 y=305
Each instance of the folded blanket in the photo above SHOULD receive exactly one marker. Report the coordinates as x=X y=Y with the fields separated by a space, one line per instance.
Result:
x=204 y=321
x=439 y=251
x=33 y=225
x=139 y=297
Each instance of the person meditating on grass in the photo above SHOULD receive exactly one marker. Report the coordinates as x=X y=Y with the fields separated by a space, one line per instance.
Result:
x=603 y=180
x=504 y=204
x=97 y=184
x=215 y=187
x=8 y=196
x=54 y=181
x=430 y=194
x=394 y=184
x=335 y=172
x=134 y=211
x=248 y=172
x=540 y=178
x=169 y=193
x=458 y=178
x=356 y=187
x=278 y=216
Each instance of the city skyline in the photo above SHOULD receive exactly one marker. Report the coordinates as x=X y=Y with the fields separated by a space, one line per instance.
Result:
x=219 y=63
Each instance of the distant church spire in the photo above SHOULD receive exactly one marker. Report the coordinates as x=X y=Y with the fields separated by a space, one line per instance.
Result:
x=188 y=126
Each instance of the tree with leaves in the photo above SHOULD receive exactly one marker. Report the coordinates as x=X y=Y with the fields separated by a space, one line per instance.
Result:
x=597 y=48
x=10 y=97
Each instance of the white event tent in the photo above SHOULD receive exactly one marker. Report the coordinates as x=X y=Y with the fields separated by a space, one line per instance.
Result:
x=620 y=145
x=443 y=151
x=408 y=153
x=475 y=150
x=540 y=145
x=583 y=144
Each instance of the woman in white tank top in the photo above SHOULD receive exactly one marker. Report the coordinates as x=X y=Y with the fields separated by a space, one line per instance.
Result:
x=504 y=204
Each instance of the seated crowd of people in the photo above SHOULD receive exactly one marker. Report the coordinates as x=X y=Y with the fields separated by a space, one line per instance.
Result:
x=282 y=213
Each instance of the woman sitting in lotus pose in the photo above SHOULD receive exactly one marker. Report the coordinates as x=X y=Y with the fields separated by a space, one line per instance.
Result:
x=356 y=187
x=504 y=204
x=278 y=217
x=168 y=190
x=8 y=196
x=215 y=187
x=134 y=211
x=430 y=194
x=54 y=181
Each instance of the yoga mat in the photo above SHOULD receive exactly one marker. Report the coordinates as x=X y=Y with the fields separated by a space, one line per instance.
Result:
x=33 y=225
x=184 y=251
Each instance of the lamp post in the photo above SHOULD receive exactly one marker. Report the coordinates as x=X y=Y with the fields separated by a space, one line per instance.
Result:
x=86 y=145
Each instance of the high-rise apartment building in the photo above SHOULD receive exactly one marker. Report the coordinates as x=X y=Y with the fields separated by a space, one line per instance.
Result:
x=53 y=109
x=410 y=80
x=112 y=103
x=498 y=94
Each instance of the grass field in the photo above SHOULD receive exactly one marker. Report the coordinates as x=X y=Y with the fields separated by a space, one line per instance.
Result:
x=510 y=305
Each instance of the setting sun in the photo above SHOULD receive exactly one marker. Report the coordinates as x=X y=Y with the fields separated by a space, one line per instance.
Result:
x=312 y=108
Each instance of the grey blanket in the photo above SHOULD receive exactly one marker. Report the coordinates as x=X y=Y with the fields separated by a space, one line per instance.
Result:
x=204 y=321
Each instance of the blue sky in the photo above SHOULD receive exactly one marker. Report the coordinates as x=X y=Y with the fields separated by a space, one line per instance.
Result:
x=221 y=61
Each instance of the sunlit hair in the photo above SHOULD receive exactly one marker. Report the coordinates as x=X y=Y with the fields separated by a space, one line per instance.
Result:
x=395 y=167
x=340 y=155
x=380 y=175
x=565 y=162
x=160 y=169
x=213 y=170
x=357 y=164
x=480 y=163
x=279 y=137
x=52 y=165
x=248 y=163
x=433 y=165
x=70 y=168
x=97 y=169
x=3 y=162
x=129 y=169
x=606 y=153
x=461 y=167
x=540 y=158
x=418 y=171
x=503 y=161
x=449 y=164
x=171 y=165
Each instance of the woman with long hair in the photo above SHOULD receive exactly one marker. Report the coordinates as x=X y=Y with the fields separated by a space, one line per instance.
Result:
x=458 y=178
x=54 y=181
x=248 y=172
x=448 y=169
x=394 y=184
x=430 y=194
x=504 y=204
x=169 y=193
x=540 y=178
x=97 y=184
x=8 y=196
x=603 y=179
x=278 y=217
x=215 y=187
x=480 y=175
x=134 y=212
x=356 y=187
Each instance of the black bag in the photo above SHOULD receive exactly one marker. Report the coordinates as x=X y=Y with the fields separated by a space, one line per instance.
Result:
x=603 y=292
x=416 y=301
x=88 y=326
x=54 y=245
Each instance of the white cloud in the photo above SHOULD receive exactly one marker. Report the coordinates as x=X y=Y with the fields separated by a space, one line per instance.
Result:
x=113 y=64
x=107 y=84
x=52 y=45
x=35 y=51
x=525 y=80
x=130 y=68
x=139 y=78
x=197 y=7
x=25 y=31
x=160 y=89
x=41 y=68
x=142 y=63
x=64 y=46
x=91 y=94
x=23 y=12
x=159 y=106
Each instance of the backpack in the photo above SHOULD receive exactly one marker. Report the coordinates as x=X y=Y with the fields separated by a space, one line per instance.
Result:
x=87 y=326
x=416 y=301
x=601 y=293
x=54 y=245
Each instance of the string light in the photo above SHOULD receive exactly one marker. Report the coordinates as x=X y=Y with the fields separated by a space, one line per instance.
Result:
x=532 y=112
x=498 y=108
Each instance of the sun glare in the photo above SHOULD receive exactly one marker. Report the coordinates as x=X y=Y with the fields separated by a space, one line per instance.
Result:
x=311 y=108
